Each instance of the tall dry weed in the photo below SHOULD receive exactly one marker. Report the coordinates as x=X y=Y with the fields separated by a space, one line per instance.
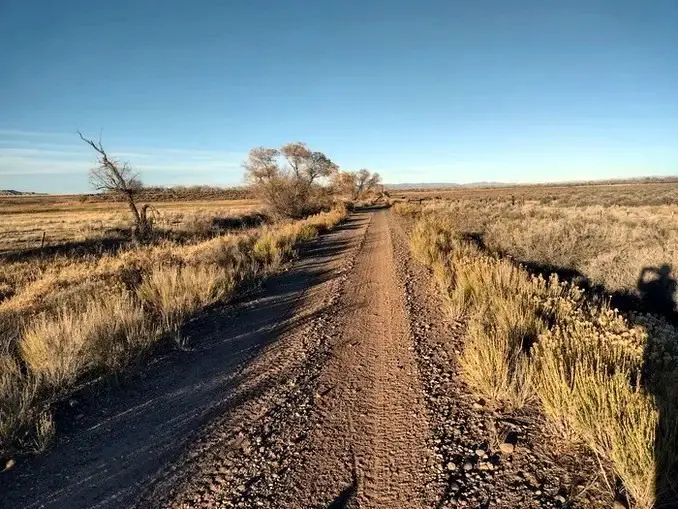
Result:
x=18 y=402
x=58 y=348
x=175 y=293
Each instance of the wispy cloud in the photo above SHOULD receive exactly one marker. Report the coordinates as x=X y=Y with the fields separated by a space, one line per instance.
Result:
x=31 y=154
x=18 y=133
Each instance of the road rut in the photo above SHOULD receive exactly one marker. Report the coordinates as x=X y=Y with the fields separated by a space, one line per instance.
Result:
x=369 y=440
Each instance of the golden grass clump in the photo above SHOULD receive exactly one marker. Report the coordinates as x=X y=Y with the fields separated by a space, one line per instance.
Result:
x=276 y=245
x=589 y=370
x=18 y=395
x=325 y=221
x=175 y=293
x=406 y=209
x=503 y=321
x=433 y=238
x=58 y=348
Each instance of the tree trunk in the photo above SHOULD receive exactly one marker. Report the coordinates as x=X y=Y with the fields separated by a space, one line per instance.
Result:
x=141 y=225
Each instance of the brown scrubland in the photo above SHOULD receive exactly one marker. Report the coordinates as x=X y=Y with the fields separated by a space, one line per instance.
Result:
x=65 y=222
x=631 y=193
x=66 y=318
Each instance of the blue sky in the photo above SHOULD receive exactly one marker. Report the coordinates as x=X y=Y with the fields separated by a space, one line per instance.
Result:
x=443 y=91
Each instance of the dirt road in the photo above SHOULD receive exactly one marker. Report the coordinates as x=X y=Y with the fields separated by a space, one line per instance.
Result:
x=333 y=386
x=348 y=427
x=372 y=423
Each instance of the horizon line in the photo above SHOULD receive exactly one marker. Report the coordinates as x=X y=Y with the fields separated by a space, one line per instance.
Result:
x=429 y=186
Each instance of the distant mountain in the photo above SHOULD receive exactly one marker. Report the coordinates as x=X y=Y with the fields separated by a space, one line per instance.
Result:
x=443 y=185
x=476 y=185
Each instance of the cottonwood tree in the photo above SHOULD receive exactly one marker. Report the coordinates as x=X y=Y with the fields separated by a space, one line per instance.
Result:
x=307 y=165
x=111 y=176
x=365 y=182
x=356 y=184
x=290 y=180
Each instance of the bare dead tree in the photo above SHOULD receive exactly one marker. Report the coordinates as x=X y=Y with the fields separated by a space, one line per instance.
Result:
x=119 y=178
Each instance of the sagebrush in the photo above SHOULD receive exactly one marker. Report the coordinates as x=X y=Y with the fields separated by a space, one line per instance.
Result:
x=602 y=378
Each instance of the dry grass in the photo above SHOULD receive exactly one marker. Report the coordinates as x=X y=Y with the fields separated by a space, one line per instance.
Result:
x=606 y=246
x=627 y=194
x=66 y=319
x=19 y=407
x=175 y=292
x=60 y=347
x=405 y=208
x=601 y=378
x=70 y=220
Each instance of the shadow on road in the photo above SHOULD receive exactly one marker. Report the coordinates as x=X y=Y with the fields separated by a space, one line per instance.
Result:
x=116 y=437
x=345 y=498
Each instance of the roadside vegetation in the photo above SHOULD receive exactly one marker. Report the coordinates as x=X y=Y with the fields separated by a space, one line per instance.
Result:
x=71 y=315
x=74 y=319
x=533 y=340
x=608 y=246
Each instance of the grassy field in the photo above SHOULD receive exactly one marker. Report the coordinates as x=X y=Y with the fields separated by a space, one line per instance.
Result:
x=90 y=304
x=629 y=194
x=617 y=237
x=72 y=219
x=616 y=247
x=603 y=377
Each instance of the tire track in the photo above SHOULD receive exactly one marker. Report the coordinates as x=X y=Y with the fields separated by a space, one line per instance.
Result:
x=376 y=416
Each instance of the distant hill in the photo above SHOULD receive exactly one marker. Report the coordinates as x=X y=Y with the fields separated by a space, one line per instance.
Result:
x=12 y=192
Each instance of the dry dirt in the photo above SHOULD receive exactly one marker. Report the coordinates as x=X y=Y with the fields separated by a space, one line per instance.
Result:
x=333 y=386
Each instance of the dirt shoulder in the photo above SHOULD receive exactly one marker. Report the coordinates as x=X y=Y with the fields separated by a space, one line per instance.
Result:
x=467 y=434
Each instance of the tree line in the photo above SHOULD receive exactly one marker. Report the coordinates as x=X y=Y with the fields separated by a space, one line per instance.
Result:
x=293 y=182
